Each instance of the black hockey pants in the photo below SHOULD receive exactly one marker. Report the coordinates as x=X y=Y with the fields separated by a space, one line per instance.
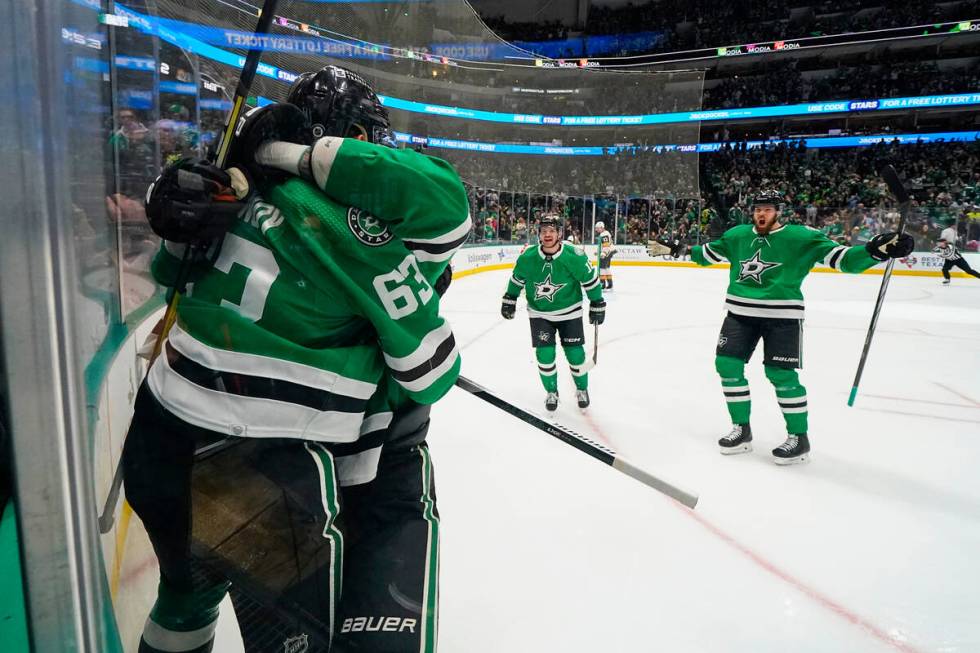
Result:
x=312 y=565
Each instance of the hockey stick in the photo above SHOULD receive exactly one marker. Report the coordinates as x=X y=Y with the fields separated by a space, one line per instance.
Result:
x=901 y=193
x=266 y=14
x=595 y=345
x=598 y=451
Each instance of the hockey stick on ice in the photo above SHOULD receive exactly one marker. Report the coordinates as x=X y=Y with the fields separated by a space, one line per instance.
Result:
x=901 y=193
x=598 y=451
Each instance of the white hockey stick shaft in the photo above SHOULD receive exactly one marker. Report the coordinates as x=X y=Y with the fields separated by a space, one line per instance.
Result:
x=596 y=450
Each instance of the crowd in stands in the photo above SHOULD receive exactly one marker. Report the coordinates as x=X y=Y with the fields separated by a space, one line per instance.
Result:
x=714 y=23
x=837 y=191
x=783 y=83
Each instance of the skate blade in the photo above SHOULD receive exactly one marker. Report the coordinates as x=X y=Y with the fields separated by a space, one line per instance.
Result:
x=731 y=451
x=797 y=460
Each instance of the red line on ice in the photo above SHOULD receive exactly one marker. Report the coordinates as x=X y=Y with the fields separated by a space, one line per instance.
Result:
x=770 y=567
x=802 y=587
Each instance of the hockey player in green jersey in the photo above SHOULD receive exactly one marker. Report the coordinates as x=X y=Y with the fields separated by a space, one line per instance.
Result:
x=310 y=342
x=768 y=264
x=553 y=275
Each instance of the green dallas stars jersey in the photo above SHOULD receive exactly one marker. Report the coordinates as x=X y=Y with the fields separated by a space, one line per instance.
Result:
x=554 y=283
x=315 y=303
x=767 y=272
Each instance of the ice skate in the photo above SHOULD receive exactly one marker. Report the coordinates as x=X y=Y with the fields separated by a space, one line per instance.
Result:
x=795 y=450
x=582 y=396
x=551 y=402
x=945 y=282
x=738 y=440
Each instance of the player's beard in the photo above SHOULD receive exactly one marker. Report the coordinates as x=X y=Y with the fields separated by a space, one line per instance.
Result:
x=765 y=225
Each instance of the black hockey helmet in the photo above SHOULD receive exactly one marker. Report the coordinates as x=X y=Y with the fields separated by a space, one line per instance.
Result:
x=549 y=221
x=768 y=196
x=339 y=102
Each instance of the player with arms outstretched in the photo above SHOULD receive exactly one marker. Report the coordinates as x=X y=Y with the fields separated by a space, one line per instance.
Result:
x=311 y=344
x=769 y=262
x=553 y=276
x=604 y=254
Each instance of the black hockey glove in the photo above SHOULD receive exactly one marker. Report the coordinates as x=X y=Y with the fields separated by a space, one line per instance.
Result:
x=678 y=249
x=273 y=122
x=442 y=283
x=890 y=245
x=597 y=312
x=508 y=307
x=192 y=201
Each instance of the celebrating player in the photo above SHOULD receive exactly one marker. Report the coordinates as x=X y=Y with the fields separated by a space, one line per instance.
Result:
x=311 y=344
x=553 y=276
x=768 y=263
x=946 y=249
x=604 y=254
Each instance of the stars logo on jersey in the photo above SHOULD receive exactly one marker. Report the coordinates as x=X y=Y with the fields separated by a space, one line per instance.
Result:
x=546 y=289
x=754 y=268
x=367 y=228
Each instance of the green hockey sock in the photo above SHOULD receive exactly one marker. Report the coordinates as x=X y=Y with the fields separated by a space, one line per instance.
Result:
x=576 y=358
x=735 y=386
x=547 y=368
x=791 y=397
x=183 y=621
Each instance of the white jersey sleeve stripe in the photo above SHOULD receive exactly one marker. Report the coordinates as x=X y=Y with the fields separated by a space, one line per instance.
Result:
x=424 y=352
x=267 y=367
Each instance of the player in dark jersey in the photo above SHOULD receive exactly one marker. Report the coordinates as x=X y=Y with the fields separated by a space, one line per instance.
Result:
x=310 y=346
x=946 y=249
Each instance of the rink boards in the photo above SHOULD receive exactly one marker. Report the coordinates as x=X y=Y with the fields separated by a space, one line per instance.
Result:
x=471 y=260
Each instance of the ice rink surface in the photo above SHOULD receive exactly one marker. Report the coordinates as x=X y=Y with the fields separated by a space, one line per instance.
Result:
x=872 y=546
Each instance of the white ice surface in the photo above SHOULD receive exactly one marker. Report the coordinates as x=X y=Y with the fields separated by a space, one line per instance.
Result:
x=873 y=546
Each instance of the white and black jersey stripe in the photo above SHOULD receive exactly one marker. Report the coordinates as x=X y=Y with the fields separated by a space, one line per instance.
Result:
x=442 y=247
x=786 y=309
x=835 y=256
x=516 y=281
x=591 y=283
x=948 y=252
x=248 y=395
x=711 y=255
x=572 y=312
x=435 y=355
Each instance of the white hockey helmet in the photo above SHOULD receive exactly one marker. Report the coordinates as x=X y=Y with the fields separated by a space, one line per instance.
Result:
x=600 y=225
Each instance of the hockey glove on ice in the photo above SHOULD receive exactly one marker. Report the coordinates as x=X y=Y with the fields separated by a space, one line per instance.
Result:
x=890 y=245
x=193 y=201
x=508 y=307
x=597 y=312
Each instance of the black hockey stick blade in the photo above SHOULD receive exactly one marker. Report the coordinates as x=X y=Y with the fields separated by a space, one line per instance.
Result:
x=598 y=451
x=895 y=183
